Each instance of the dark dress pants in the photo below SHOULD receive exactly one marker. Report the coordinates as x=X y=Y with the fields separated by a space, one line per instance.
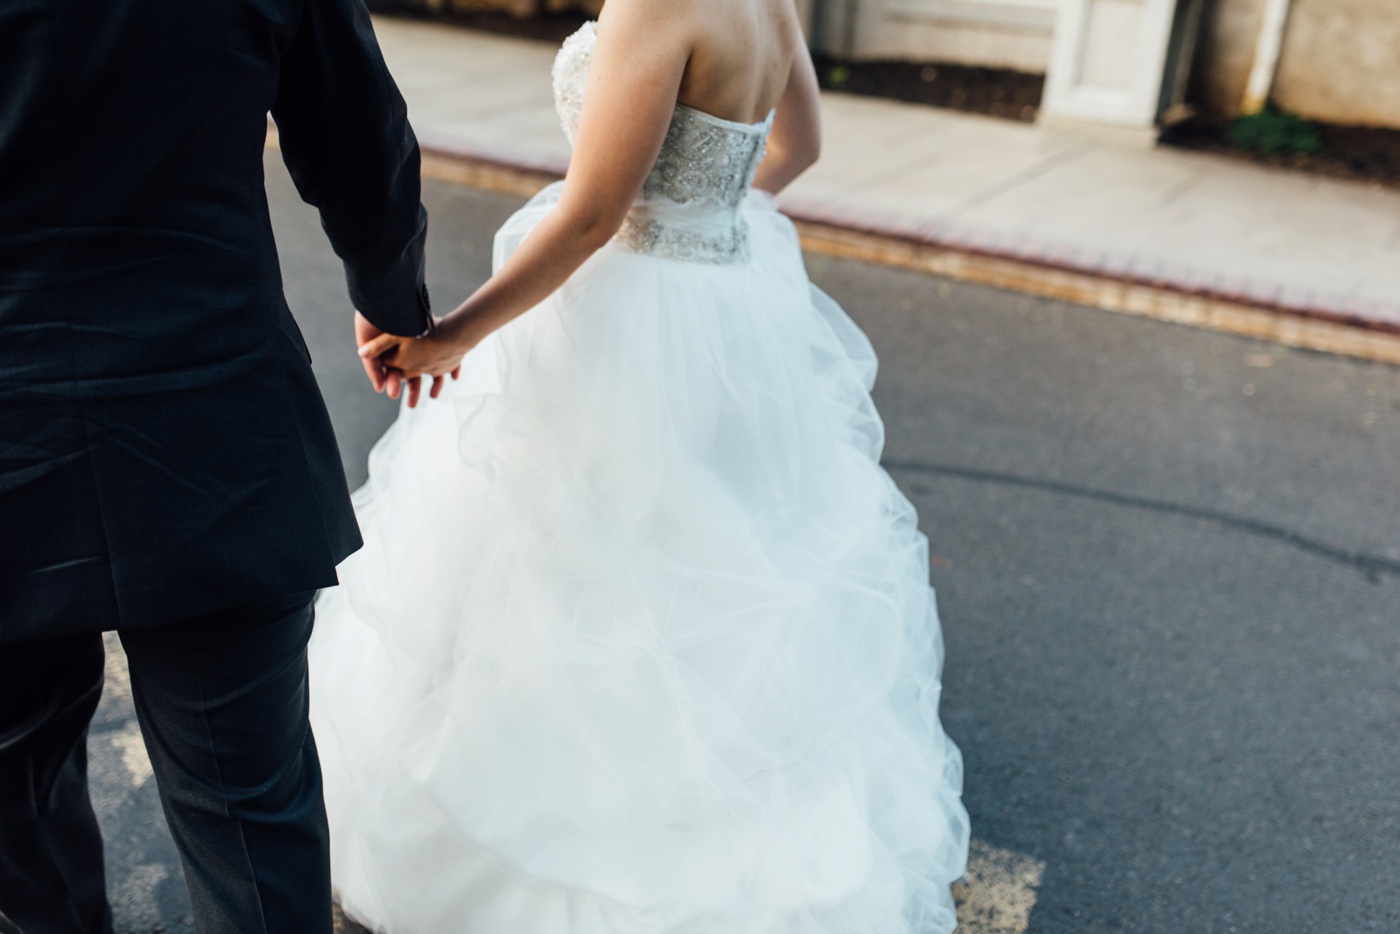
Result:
x=223 y=706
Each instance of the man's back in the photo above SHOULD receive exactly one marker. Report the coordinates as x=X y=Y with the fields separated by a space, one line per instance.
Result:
x=167 y=467
x=163 y=448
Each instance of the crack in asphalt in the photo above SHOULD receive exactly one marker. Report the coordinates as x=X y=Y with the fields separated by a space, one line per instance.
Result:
x=1372 y=566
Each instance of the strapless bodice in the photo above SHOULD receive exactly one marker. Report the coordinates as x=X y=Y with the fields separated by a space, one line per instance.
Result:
x=689 y=208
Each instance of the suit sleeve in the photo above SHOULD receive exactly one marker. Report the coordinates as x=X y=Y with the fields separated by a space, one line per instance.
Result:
x=344 y=134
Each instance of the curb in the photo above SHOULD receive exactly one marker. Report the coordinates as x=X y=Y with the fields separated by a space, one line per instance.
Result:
x=1304 y=320
x=1310 y=328
x=483 y=168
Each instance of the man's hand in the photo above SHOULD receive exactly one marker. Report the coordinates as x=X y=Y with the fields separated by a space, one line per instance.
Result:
x=381 y=375
x=394 y=363
x=413 y=358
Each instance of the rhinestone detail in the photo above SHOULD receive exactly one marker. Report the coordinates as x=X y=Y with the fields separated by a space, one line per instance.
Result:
x=702 y=173
x=672 y=241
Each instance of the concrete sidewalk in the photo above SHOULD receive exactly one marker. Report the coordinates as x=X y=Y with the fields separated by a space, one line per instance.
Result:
x=1194 y=238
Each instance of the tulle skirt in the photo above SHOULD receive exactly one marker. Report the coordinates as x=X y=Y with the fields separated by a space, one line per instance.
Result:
x=641 y=640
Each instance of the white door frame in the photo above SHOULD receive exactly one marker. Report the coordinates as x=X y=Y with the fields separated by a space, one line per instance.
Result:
x=1125 y=95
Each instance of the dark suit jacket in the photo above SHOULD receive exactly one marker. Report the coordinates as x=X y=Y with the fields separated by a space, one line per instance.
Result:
x=164 y=450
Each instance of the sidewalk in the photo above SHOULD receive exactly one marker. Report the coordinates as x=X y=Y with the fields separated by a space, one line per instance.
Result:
x=1183 y=236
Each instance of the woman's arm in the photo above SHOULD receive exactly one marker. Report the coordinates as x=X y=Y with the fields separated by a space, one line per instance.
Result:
x=633 y=81
x=796 y=140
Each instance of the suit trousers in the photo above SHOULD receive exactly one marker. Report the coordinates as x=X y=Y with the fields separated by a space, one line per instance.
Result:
x=222 y=701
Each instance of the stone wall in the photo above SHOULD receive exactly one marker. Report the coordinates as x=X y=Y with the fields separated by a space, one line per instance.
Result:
x=1340 y=60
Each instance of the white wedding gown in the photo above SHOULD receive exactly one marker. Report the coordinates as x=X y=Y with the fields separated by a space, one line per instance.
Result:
x=641 y=640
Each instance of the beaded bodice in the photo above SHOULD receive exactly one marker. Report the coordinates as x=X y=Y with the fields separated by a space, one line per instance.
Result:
x=689 y=207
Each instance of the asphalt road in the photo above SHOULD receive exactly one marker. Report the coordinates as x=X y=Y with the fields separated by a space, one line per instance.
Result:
x=1168 y=565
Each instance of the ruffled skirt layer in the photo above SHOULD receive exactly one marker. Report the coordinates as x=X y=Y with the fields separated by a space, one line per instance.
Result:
x=641 y=640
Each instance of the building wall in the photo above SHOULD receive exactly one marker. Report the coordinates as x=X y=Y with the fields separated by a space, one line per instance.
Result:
x=996 y=33
x=1340 y=61
x=1226 y=55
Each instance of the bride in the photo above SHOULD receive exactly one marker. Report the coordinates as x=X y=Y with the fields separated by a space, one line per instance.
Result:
x=641 y=640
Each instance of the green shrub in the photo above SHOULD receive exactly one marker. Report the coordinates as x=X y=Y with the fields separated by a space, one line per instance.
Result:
x=837 y=76
x=1273 y=132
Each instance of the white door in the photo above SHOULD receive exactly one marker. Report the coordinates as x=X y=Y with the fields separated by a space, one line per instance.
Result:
x=1108 y=62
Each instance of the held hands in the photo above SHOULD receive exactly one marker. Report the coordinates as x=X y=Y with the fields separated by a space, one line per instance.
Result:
x=381 y=376
x=532 y=273
x=394 y=363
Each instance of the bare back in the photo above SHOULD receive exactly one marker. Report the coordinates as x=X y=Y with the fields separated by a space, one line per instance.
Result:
x=742 y=58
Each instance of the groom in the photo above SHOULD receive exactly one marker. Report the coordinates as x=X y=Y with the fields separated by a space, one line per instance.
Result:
x=167 y=468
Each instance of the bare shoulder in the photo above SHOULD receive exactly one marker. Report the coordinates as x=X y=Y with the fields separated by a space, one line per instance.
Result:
x=658 y=20
x=730 y=58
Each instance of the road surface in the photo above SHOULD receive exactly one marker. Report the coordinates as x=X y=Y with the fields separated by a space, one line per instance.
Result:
x=1168 y=565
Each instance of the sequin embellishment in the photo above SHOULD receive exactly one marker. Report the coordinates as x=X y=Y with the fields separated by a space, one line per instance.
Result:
x=700 y=178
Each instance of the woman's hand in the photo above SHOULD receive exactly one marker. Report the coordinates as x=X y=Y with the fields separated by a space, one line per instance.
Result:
x=435 y=355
